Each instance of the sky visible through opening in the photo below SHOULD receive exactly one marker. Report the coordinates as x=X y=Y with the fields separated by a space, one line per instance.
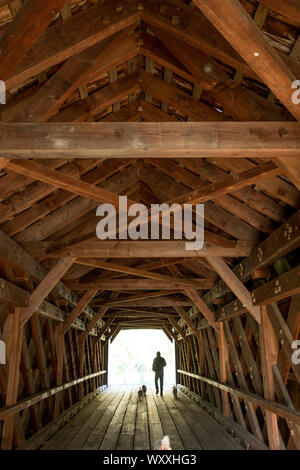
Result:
x=131 y=355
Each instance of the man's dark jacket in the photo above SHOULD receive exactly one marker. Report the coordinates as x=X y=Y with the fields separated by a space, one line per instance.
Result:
x=158 y=365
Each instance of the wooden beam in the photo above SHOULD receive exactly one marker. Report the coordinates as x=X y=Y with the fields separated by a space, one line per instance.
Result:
x=133 y=298
x=233 y=22
x=202 y=307
x=150 y=249
x=269 y=354
x=286 y=285
x=283 y=334
x=106 y=325
x=233 y=203
x=76 y=34
x=15 y=256
x=129 y=113
x=134 y=284
x=58 y=219
x=83 y=302
x=282 y=287
x=99 y=101
x=56 y=178
x=96 y=318
x=228 y=184
x=223 y=359
x=235 y=285
x=153 y=48
x=151 y=113
x=45 y=287
x=161 y=302
x=14 y=349
x=293 y=323
x=74 y=73
x=59 y=349
x=143 y=314
x=167 y=188
x=241 y=380
x=24 y=30
x=30 y=401
x=193 y=295
x=193 y=28
x=289 y=8
x=185 y=317
x=173 y=96
x=158 y=140
x=197 y=284
x=177 y=327
x=280 y=410
x=281 y=242
x=49 y=201
x=3 y=163
x=237 y=102
x=13 y=295
x=113 y=333
x=166 y=325
x=167 y=333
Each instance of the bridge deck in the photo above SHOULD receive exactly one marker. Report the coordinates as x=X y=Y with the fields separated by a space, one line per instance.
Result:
x=117 y=419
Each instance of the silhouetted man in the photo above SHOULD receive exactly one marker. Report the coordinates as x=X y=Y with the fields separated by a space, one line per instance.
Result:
x=158 y=367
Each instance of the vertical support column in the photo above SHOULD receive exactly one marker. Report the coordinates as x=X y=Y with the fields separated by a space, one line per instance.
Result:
x=14 y=348
x=269 y=353
x=93 y=362
x=180 y=361
x=223 y=358
x=105 y=349
x=201 y=363
x=81 y=364
x=101 y=363
x=59 y=347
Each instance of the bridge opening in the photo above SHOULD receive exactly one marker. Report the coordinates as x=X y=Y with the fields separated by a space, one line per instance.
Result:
x=131 y=354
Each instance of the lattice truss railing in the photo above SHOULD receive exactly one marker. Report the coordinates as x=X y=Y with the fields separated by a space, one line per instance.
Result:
x=252 y=351
x=38 y=372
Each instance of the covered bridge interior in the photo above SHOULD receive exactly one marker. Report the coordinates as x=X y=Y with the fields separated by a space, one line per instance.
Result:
x=162 y=101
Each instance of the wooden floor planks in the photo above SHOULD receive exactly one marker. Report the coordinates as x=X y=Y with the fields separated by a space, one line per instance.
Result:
x=118 y=419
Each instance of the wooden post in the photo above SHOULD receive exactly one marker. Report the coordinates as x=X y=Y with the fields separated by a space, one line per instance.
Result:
x=81 y=363
x=223 y=358
x=201 y=363
x=14 y=348
x=269 y=354
x=59 y=346
x=94 y=361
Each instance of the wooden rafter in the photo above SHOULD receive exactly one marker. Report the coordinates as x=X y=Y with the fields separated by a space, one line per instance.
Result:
x=68 y=183
x=74 y=73
x=76 y=34
x=24 y=30
x=236 y=26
